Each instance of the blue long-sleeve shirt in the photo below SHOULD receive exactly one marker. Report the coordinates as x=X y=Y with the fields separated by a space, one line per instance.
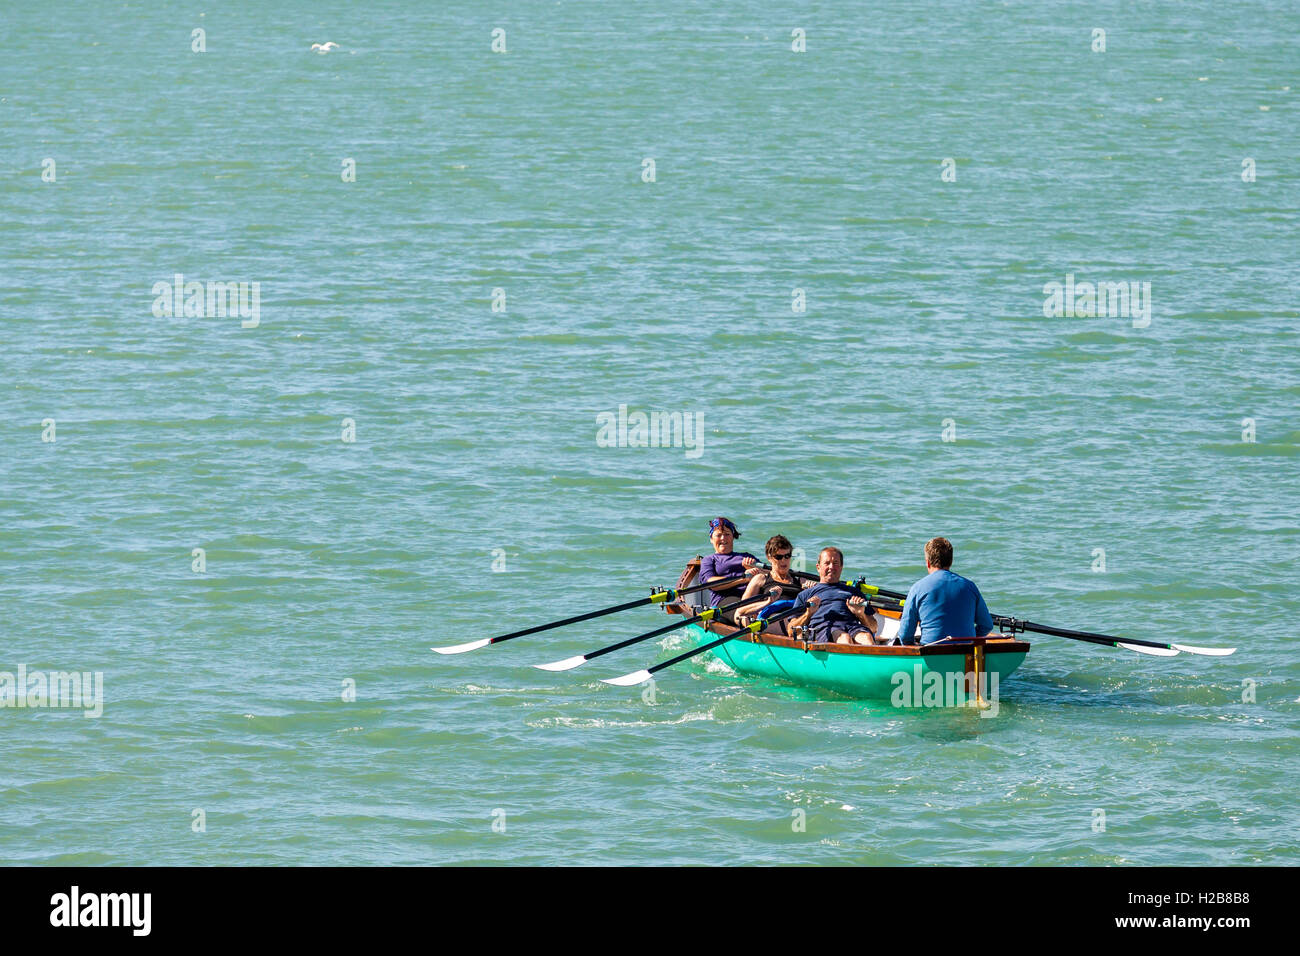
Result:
x=945 y=605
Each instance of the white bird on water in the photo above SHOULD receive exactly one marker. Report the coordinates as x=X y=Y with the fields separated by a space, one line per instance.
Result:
x=325 y=47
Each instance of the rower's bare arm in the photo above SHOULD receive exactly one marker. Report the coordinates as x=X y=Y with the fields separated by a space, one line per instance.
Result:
x=799 y=620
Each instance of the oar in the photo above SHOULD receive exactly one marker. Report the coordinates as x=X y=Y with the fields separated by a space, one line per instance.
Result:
x=1143 y=647
x=659 y=597
x=638 y=677
x=1153 y=648
x=708 y=614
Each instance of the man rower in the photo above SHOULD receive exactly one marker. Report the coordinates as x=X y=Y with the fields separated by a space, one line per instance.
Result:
x=943 y=603
x=831 y=609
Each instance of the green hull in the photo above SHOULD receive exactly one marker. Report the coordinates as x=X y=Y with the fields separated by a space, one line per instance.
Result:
x=928 y=677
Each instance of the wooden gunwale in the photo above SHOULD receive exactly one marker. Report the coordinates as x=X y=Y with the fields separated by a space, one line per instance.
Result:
x=991 y=645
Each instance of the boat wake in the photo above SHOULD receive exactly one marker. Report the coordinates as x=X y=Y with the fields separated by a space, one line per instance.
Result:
x=600 y=723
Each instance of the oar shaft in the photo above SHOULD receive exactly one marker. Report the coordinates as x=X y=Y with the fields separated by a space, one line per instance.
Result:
x=859 y=584
x=570 y=620
x=714 y=612
x=1088 y=636
x=868 y=589
x=882 y=592
x=657 y=598
x=1109 y=640
x=751 y=628
x=1002 y=620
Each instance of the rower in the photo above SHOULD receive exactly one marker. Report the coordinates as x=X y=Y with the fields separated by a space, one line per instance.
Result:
x=943 y=603
x=779 y=551
x=831 y=609
x=724 y=563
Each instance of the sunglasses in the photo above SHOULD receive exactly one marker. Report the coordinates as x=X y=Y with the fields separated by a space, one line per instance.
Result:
x=782 y=557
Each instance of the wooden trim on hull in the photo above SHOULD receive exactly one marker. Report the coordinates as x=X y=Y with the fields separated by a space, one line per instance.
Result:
x=963 y=646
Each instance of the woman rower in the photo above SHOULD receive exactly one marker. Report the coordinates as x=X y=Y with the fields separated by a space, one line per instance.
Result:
x=779 y=551
x=723 y=563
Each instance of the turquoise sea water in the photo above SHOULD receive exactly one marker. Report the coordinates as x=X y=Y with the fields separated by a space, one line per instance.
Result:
x=476 y=430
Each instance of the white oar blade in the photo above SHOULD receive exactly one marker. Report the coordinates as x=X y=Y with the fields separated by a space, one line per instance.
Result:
x=568 y=664
x=1208 y=651
x=1153 y=651
x=462 y=648
x=627 y=680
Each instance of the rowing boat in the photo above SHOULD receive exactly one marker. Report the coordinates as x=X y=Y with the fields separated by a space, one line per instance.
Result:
x=952 y=671
x=945 y=673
